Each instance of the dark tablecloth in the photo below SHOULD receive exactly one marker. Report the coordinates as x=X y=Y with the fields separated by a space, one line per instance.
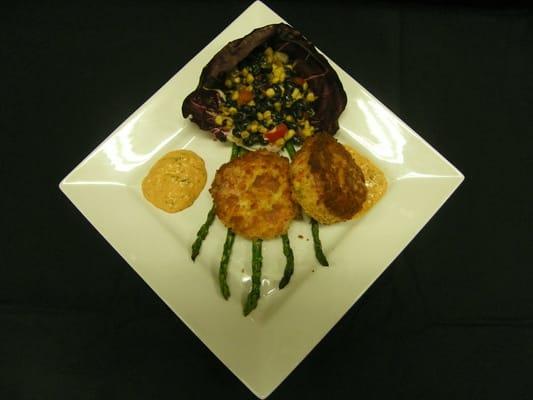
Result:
x=451 y=318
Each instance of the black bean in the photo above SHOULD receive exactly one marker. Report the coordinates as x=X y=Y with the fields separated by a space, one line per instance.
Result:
x=289 y=86
x=262 y=106
x=240 y=116
x=291 y=124
x=299 y=105
x=255 y=69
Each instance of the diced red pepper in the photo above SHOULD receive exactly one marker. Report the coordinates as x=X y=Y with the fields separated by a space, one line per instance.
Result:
x=298 y=80
x=276 y=133
x=245 y=96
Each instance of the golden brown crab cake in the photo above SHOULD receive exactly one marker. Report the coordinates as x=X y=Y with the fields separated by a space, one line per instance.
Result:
x=326 y=181
x=252 y=195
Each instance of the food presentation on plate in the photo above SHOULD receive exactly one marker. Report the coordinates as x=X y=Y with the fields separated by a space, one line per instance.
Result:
x=258 y=163
x=277 y=101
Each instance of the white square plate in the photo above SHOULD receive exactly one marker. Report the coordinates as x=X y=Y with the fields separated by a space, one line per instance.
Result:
x=265 y=347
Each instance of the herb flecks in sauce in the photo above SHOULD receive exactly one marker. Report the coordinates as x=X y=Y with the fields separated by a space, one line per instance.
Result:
x=175 y=181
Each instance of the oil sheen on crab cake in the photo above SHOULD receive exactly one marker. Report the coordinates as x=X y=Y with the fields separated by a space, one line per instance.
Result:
x=252 y=195
x=326 y=181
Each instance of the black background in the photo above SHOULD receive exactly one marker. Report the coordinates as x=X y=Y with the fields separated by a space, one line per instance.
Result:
x=451 y=318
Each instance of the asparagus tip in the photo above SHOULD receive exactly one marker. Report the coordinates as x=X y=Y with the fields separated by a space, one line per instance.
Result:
x=248 y=308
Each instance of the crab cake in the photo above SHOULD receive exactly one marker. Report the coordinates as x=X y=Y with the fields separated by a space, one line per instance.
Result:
x=252 y=195
x=326 y=181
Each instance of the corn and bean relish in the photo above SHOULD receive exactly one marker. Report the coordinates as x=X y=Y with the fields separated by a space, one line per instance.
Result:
x=265 y=102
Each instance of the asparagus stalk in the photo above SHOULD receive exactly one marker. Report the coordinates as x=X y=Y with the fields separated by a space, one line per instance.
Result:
x=318 y=245
x=319 y=254
x=289 y=255
x=202 y=233
x=204 y=229
x=289 y=267
x=290 y=149
x=223 y=269
x=257 y=261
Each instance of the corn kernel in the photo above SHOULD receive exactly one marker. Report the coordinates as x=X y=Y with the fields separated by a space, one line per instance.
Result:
x=262 y=129
x=249 y=78
x=237 y=79
x=310 y=97
x=270 y=92
x=290 y=133
x=251 y=103
x=289 y=118
x=278 y=72
x=269 y=51
x=219 y=120
x=228 y=83
x=229 y=123
x=244 y=71
x=305 y=85
x=277 y=106
x=280 y=142
x=259 y=116
x=274 y=79
x=234 y=95
x=281 y=57
x=245 y=134
x=232 y=110
x=252 y=127
x=250 y=88
x=267 y=114
x=296 y=95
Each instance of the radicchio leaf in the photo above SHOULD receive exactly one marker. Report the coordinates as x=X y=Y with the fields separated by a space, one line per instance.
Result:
x=202 y=104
